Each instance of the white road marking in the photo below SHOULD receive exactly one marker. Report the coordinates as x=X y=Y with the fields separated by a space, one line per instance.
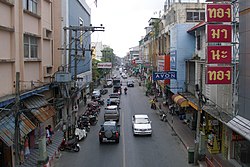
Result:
x=123 y=142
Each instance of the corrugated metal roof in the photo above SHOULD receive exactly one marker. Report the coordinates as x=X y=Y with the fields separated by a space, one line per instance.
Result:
x=7 y=128
x=39 y=108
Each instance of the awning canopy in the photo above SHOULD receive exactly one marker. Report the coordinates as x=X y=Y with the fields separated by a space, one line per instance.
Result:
x=7 y=128
x=180 y=100
x=40 y=108
x=241 y=126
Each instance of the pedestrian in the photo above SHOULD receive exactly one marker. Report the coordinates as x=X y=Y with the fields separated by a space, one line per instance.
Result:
x=48 y=136
x=85 y=99
x=50 y=131
x=26 y=148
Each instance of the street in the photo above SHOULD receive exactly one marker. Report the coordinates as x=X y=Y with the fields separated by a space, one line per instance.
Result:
x=162 y=149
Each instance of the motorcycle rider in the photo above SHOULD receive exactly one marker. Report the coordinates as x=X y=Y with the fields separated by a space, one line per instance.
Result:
x=125 y=90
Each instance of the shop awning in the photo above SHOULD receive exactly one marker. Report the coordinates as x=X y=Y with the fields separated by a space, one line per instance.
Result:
x=180 y=100
x=7 y=128
x=241 y=126
x=40 y=108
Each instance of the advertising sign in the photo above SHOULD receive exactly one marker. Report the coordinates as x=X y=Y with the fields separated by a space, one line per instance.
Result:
x=173 y=59
x=163 y=75
x=218 y=75
x=219 y=13
x=219 y=54
x=219 y=33
x=104 y=65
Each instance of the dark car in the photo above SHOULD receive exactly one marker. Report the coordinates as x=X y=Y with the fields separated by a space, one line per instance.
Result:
x=130 y=84
x=109 y=132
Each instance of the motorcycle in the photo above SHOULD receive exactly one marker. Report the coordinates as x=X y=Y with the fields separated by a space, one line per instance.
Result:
x=71 y=145
x=99 y=101
x=153 y=106
x=80 y=134
x=163 y=117
x=83 y=123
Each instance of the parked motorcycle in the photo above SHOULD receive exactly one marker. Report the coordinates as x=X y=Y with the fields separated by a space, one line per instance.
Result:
x=70 y=145
x=99 y=101
x=80 y=134
x=83 y=123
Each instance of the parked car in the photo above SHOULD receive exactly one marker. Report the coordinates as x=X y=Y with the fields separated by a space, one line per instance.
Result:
x=109 y=83
x=96 y=94
x=104 y=91
x=130 y=83
x=112 y=113
x=109 y=132
x=141 y=125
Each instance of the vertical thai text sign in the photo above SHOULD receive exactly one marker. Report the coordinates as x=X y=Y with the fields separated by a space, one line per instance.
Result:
x=218 y=75
x=219 y=33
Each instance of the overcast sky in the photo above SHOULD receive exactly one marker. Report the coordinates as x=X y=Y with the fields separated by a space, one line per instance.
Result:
x=124 y=21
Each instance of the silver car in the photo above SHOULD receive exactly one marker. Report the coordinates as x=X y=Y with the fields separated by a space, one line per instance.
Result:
x=141 y=125
x=111 y=113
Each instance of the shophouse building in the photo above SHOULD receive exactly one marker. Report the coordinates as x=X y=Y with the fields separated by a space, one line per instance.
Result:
x=221 y=111
x=74 y=50
x=27 y=65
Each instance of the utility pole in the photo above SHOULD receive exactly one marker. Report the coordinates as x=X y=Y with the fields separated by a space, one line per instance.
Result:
x=17 y=115
x=199 y=90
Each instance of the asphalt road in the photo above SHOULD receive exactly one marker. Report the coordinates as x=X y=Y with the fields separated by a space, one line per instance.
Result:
x=162 y=149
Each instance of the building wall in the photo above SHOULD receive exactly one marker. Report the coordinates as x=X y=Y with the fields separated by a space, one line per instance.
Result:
x=15 y=22
x=183 y=43
x=244 y=73
x=79 y=9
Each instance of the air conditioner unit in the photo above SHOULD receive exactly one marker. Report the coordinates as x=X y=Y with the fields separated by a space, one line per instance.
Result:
x=47 y=71
x=47 y=33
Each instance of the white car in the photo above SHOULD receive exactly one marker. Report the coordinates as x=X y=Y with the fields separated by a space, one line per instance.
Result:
x=141 y=125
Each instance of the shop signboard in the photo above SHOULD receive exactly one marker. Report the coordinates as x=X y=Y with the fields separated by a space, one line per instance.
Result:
x=163 y=75
x=219 y=13
x=218 y=75
x=104 y=65
x=219 y=54
x=219 y=33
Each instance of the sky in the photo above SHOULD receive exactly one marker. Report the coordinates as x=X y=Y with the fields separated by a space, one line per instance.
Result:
x=124 y=21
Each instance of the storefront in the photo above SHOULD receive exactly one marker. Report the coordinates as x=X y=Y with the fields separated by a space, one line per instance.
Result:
x=240 y=140
x=180 y=106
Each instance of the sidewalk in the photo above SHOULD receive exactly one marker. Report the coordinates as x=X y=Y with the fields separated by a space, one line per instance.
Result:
x=187 y=137
x=52 y=151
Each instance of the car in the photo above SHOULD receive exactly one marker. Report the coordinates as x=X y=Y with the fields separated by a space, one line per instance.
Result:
x=109 y=132
x=113 y=101
x=141 y=125
x=96 y=94
x=108 y=84
x=115 y=96
x=112 y=113
x=130 y=84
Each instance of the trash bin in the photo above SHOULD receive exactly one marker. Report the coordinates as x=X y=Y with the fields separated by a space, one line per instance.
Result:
x=190 y=154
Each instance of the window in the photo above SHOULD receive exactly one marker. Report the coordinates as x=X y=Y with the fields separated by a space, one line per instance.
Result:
x=195 y=15
x=198 y=42
x=30 y=5
x=30 y=47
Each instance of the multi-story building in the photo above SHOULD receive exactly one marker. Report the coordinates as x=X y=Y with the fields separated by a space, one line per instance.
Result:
x=98 y=49
x=27 y=66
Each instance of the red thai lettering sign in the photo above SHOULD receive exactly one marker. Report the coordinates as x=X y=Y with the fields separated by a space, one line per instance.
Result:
x=218 y=75
x=218 y=1
x=219 y=13
x=219 y=54
x=219 y=33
